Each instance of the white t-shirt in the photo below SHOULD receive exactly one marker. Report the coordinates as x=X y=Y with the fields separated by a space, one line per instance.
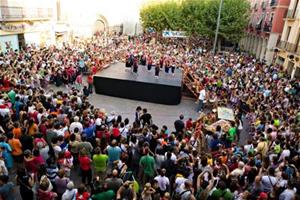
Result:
x=268 y=182
x=202 y=95
x=76 y=125
x=69 y=195
x=287 y=194
x=163 y=182
x=123 y=132
x=178 y=182
x=285 y=153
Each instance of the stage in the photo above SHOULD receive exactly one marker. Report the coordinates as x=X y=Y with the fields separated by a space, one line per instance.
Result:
x=115 y=81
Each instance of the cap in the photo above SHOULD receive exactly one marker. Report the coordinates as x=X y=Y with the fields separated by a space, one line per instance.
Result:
x=263 y=195
x=68 y=154
x=147 y=185
x=70 y=185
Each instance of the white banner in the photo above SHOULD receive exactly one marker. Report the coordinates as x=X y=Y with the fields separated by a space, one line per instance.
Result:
x=225 y=113
x=170 y=34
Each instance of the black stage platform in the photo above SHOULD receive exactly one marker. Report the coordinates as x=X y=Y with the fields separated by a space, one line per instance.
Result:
x=115 y=81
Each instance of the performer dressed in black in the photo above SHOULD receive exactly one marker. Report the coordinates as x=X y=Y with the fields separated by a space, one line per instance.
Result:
x=135 y=65
x=173 y=67
x=149 y=63
x=157 y=69
x=129 y=61
x=167 y=66
x=143 y=60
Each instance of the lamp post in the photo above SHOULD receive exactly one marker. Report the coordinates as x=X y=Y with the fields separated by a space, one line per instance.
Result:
x=218 y=26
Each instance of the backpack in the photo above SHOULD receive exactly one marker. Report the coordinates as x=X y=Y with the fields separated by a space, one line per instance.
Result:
x=177 y=196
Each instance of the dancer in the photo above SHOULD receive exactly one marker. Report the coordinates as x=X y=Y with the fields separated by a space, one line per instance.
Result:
x=157 y=69
x=149 y=62
x=135 y=64
x=143 y=59
x=128 y=63
x=173 y=67
x=167 y=65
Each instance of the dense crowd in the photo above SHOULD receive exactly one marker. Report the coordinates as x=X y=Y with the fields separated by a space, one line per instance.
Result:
x=48 y=138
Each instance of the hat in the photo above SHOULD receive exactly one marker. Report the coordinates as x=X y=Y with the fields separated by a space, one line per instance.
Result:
x=263 y=195
x=70 y=185
x=68 y=154
x=147 y=185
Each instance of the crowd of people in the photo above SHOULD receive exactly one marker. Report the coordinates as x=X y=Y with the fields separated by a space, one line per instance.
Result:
x=49 y=138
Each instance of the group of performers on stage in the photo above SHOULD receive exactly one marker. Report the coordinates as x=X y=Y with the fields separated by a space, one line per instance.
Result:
x=133 y=61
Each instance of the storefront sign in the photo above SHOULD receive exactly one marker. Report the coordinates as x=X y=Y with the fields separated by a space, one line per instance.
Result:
x=24 y=27
x=13 y=27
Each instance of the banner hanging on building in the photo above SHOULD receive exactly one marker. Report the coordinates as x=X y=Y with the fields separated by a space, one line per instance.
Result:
x=174 y=34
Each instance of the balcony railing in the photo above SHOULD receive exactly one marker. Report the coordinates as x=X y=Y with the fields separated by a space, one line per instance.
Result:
x=289 y=47
x=298 y=50
x=282 y=44
x=267 y=28
x=21 y=13
x=292 y=48
x=273 y=3
x=290 y=14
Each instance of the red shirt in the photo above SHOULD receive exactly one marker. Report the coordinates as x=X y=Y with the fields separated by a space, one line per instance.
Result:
x=188 y=124
x=90 y=79
x=43 y=129
x=31 y=166
x=83 y=196
x=85 y=163
x=115 y=132
x=94 y=69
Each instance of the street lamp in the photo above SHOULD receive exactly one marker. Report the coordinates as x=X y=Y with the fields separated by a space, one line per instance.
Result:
x=218 y=26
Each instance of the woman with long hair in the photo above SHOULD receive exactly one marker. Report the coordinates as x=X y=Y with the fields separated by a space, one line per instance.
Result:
x=25 y=182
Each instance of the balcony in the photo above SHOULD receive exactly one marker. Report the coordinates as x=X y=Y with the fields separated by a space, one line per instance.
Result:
x=289 y=47
x=267 y=28
x=292 y=48
x=282 y=44
x=21 y=13
x=273 y=3
x=291 y=14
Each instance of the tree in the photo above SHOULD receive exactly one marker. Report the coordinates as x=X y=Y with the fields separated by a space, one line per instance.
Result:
x=198 y=17
x=161 y=16
x=234 y=19
x=192 y=16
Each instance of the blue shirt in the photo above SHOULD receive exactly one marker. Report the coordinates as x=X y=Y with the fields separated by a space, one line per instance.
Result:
x=89 y=131
x=81 y=63
x=114 y=153
x=6 y=191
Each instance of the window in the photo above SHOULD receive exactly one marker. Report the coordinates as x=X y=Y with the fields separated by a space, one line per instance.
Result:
x=297 y=42
x=288 y=33
x=295 y=7
x=271 y=18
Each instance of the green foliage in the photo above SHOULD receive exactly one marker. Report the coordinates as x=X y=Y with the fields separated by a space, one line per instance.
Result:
x=198 y=17
x=162 y=16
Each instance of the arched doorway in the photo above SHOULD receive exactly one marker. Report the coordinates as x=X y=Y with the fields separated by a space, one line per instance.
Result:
x=100 y=25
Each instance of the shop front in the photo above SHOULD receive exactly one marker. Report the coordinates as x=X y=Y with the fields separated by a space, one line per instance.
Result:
x=19 y=34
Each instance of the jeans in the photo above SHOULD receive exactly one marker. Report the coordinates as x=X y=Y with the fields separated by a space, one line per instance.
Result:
x=90 y=88
x=200 y=106
x=86 y=176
